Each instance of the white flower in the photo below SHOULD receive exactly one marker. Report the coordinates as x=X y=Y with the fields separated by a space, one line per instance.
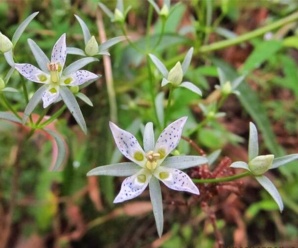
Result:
x=51 y=73
x=260 y=164
x=150 y=165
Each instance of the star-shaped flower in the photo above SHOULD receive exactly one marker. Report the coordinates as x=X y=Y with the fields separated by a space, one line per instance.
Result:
x=51 y=73
x=150 y=165
x=259 y=164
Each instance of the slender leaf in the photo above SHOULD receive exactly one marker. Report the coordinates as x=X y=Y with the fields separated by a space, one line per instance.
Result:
x=9 y=117
x=75 y=51
x=159 y=65
x=111 y=42
x=119 y=169
x=17 y=34
x=35 y=99
x=84 y=98
x=40 y=57
x=9 y=58
x=190 y=86
x=156 y=200
x=240 y=165
x=253 y=142
x=73 y=107
x=59 y=150
x=85 y=29
x=284 y=160
x=213 y=156
x=160 y=108
x=77 y=65
x=106 y=10
x=184 y=162
x=187 y=59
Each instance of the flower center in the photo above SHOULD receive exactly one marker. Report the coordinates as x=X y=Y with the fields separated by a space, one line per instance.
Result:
x=152 y=160
x=54 y=69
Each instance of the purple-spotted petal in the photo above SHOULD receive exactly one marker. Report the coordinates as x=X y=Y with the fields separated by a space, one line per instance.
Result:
x=128 y=145
x=59 y=51
x=81 y=77
x=132 y=187
x=32 y=73
x=49 y=97
x=176 y=179
x=170 y=137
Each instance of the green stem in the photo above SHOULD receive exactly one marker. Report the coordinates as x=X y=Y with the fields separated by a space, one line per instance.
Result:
x=160 y=34
x=53 y=117
x=248 y=36
x=148 y=26
x=168 y=105
x=8 y=106
x=123 y=29
x=222 y=179
x=152 y=93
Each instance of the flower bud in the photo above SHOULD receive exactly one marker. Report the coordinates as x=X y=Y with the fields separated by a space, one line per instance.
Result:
x=260 y=164
x=91 y=48
x=176 y=74
x=5 y=43
x=227 y=88
x=164 y=12
x=118 y=16
x=74 y=89
x=2 y=84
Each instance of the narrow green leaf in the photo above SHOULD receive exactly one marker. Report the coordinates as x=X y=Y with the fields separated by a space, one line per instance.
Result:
x=59 y=150
x=119 y=169
x=156 y=200
x=253 y=143
x=284 y=160
x=184 y=162
x=262 y=52
x=190 y=86
x=187 y=59
x=106 y=10
x=159 y=65
x=85 y=29
x=213 y=156
x=84 y=98
x=78 y=64
x=160 y=107
x=35 y=99
x=111 y=42
x=9 y=117
x=40 y=57
x=17 y=34
x=75 y=51
x=73 y=107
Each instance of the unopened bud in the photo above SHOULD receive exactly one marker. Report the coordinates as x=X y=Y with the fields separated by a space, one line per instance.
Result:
x=91 y=48
x=118 y=16
x=227 y=88
x=5 y=43
x=260 y=164
x=164 y=12
x=176 y=74
x=74 y=89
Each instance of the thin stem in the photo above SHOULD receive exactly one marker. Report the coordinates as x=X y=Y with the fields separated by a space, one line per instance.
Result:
x=152 y=93
x=123 y=29
x=160 y=35
x=108 y=71
x=249 y=35
x=222 y=179
x=53 y=117
x=8 y=106
x=148 y=27
x=168 y=105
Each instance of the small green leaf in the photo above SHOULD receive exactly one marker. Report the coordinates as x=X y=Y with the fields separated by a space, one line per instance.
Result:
x=159 y=65
x=119 y=169
x=77 y=65
x=73 y=107
x=9 y=117
x=260 y=54
x=160 y=107
x=187 y=59
x=106 y=10
x=277 y=162
x=40 y=57
x=85 y=29
x=111 y=42
x=84 y=98
x=156 y=200
x=17 y=34
x=35 y=99
x=59 y=150
x=190 y=86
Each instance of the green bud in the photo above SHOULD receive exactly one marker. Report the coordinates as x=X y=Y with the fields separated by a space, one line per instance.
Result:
x=176 y=74
x=91 y=48
x=118 y=16
x=74 y=89
x=260 y=164
x=5 y=43
x=176 y=152
x=2 y=84
x=164 y=12
x=227 y=88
